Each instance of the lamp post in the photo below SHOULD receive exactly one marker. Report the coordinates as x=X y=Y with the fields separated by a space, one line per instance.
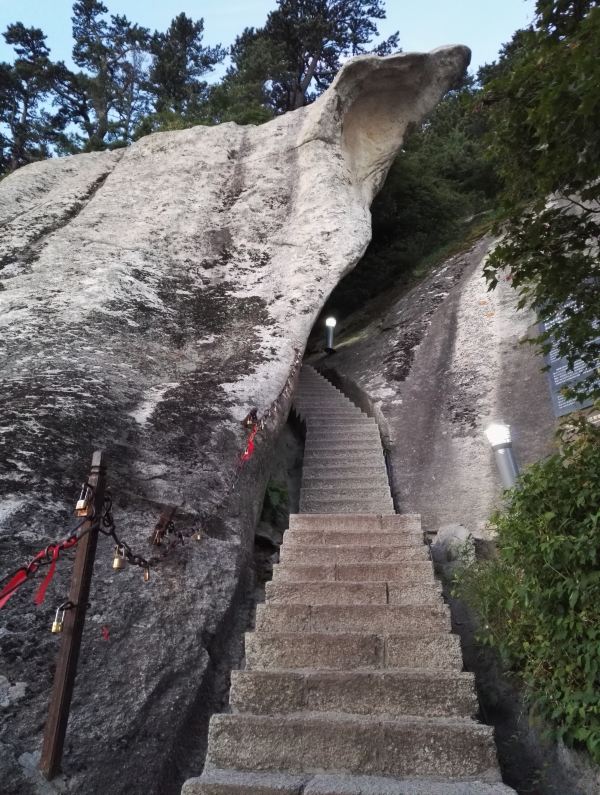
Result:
x=498 y=435
x=329 y=326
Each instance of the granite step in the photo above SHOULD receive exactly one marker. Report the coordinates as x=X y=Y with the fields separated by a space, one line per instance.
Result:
x=376 y=480
x=226 y=781
x=351 y=553
x=348 y=538
x=403 y=691
x=357 y=522
x=313 y=743
x=354 y=572
x=318 y=506
x=353 y=593
x=421 y=620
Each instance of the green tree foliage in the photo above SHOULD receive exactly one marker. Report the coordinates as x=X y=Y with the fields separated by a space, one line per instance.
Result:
x=539 y=599
x=27 y=128
x=105 y=99
x=295 y=56
x=179 y=62
x=439 y=181
x=545 y=121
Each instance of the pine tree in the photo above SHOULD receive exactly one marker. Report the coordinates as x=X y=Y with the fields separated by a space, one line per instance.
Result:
x=25 y=88
x=298 y=52
x=106 y=98
x=180 y=60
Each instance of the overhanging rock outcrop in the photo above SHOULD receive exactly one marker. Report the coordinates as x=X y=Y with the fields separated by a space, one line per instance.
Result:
x=149 y=297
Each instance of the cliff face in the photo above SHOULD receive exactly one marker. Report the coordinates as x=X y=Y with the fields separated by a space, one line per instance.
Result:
x=149 y=297
x=436 y=367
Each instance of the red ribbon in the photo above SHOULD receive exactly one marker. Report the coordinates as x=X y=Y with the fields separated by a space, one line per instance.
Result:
x=56 y=550
x=250 y=446
x=11 y=586
x=41 y=591
x=22 y=574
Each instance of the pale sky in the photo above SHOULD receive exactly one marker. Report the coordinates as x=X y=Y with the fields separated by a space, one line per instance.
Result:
x=483 y=25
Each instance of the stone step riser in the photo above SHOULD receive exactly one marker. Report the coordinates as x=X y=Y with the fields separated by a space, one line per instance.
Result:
x=383 y=619
x=359 y=572
x=338 y=507
x=368 y=435
x=359 y=422
x=352 y=593
x=354 y=451
x=357 y=522
x=233 y=782
x=357 y=481
x=313 y=494
x=395 y=693
x=349 y=459
x=324 y=446
x=309 y=744
x=341 y=474
x=343 y=414
x=293 y=553
x=348 y=538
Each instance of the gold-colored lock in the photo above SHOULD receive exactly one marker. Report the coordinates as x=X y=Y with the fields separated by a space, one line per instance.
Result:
x=83 y=503
x=59 y=620
x=198 y=535
x=119 y=559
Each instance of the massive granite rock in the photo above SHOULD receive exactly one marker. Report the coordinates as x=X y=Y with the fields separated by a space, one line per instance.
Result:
x=149 y=297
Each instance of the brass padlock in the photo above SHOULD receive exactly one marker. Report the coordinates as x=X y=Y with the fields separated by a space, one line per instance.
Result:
x=59 y=620
x=198 y=535
x=119 y=559
x=83 y=503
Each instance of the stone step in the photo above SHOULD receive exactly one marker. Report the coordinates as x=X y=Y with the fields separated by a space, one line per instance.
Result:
x=325 y=446
x=347 y=457
x=330 y=412
x=348 y=538
x=358 y=522
x=347 y=417
x=353 y=593
x=413 y=620
x=311 y=495
x=219 y=781
x=354 y=572
x=351 y=553
x=368 y=433
x=406 y=691
x=341 y=490
x=375 y=481
x=324 y=402
x=310 y=505
x=449 y=748
x=364 y=421
x=350 y=651
x=343 y=469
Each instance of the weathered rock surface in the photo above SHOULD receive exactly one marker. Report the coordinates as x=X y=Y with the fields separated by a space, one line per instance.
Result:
x=149 y=298
x=443 y=361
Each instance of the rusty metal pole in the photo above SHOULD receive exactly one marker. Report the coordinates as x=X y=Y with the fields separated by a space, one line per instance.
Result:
x=66 y=666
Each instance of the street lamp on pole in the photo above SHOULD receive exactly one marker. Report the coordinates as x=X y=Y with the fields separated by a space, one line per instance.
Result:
x=498 y=435
x=330 y=324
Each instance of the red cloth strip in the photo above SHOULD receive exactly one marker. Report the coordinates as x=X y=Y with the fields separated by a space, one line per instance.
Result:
x=250 y=446
x=56 y=550
x=11 y=586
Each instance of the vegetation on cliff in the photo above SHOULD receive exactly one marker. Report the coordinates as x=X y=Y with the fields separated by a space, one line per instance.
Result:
x=539 y=599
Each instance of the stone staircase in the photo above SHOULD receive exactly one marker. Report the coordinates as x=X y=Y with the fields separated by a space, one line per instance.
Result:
x=353 y=683
x=344 y=469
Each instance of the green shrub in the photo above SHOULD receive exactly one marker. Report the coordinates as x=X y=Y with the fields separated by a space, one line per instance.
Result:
x=538 y=600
